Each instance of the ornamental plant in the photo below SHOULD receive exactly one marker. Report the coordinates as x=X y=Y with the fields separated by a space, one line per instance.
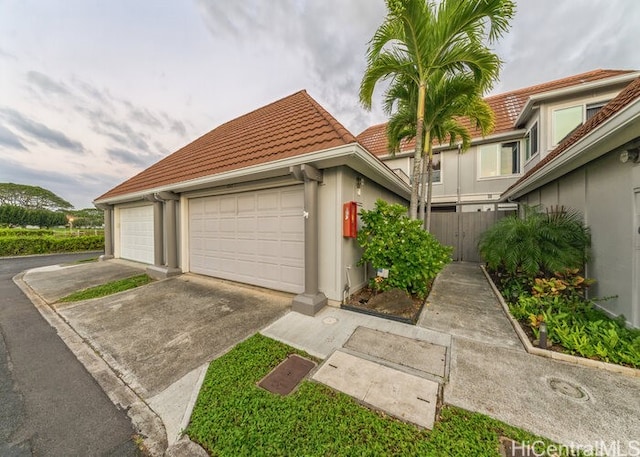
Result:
x=392 y=241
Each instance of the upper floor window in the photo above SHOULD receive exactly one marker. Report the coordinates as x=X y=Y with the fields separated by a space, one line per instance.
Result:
x=502 y=159
x=531 y=142
x=565 y=120
x=436 y=176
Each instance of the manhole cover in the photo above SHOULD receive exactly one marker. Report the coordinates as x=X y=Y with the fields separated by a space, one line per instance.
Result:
x=286 y=376
x=568 y=389
x=330 y=320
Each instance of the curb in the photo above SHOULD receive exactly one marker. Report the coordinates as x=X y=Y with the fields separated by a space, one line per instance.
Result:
x=531 y=349
x=143 y=418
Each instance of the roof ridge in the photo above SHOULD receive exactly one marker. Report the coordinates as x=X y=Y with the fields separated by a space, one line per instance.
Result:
x=340 y=129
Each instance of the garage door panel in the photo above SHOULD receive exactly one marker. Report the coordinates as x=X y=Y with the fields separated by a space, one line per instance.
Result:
x=136 y=233
x=256 y=238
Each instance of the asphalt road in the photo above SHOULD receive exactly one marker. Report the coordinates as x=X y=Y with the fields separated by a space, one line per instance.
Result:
x=49 y=404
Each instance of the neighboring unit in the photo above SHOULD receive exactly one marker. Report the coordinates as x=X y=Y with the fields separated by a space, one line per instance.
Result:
x=529 y=124
x=596 y=170
x=258 y=200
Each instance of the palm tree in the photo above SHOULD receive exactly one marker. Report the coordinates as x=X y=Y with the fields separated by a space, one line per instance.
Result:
x=418 y=39
x=451 y=99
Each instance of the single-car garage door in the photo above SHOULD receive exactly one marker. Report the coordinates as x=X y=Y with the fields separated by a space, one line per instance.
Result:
x=251 y=237
x=136 y=233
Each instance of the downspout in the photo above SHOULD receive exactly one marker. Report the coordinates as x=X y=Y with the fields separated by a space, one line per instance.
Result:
x=459 y=204
x=164 y=218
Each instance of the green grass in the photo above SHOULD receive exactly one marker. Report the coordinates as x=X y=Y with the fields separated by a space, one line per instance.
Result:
x=234 y=417
x=108 y=288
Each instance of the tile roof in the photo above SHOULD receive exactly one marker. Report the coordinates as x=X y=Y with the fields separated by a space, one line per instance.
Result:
x=630 y=93
x=506 y=106
x=289 y=127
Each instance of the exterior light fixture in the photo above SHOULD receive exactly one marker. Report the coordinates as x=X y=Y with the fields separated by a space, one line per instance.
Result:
x=630 y=155
x=543 y=336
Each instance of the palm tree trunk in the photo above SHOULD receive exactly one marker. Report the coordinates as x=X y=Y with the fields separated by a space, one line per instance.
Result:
x=423 y=189
x=417 y=155
x=427 y=222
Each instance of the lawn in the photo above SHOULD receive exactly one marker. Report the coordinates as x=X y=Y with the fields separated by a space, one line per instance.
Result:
x=109 y=288
x=234 y=417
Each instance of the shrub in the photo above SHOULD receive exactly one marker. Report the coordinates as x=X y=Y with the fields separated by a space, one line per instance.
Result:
x=26 y=245
x=538 y=244
x=24 y=232
x=392 y=241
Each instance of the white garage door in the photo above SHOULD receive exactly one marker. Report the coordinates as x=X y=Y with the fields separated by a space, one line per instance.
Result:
x=250 y=237
x=136 y=233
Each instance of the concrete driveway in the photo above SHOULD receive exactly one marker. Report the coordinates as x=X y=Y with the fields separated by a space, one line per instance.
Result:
x=158 y=338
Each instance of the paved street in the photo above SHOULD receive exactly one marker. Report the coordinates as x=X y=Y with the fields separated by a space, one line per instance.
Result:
x=51 y=406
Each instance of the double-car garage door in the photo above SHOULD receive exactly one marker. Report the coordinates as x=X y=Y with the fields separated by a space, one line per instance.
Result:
x=251 y=237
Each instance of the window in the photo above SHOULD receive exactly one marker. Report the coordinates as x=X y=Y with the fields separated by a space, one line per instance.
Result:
x=501 y=159
x=593 y=109
x=564 y=121
x=435 y=168
x=531 y=142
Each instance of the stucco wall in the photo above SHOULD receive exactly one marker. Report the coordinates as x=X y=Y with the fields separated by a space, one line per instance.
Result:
x=603 y=191
x=336 y=252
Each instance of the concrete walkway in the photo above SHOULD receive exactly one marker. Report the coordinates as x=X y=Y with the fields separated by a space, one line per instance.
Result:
x=491 y=373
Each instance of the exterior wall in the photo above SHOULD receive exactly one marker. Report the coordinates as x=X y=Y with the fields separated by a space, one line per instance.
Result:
x=336 y=252
x=603 y=191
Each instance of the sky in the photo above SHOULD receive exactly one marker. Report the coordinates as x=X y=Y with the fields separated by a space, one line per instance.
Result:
x=93 y=92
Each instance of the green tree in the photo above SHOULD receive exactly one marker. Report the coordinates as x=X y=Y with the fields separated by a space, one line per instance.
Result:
x=451 y=99
x=419 y=39
x=31 y=197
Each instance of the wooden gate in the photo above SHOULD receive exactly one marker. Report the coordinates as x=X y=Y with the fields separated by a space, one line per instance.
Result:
x=462 y=230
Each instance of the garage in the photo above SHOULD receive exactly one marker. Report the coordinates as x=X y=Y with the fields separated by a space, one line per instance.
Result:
x=136 y=233
x=252 y=237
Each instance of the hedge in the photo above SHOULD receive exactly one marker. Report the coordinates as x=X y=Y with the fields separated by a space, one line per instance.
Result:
x=24 y=232
x=26 y=245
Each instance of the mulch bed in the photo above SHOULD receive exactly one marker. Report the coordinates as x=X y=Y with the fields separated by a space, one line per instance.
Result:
x=393 y=304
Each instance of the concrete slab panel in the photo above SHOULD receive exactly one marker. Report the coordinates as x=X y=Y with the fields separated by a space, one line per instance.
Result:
x=462 y=304
x=564 y=402
x=54 y=283
x=329 y=330
x=155 y=334
x=399 y=394
x=419 y=355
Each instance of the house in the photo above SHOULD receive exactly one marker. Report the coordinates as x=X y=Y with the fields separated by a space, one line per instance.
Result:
x=529 y=123
x=258 y=200
x=595 y=170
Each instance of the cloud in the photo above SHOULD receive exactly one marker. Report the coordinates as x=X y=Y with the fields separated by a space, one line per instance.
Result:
x=10 y=139
x=41 y=132
x=128 y=157
x=46 y=84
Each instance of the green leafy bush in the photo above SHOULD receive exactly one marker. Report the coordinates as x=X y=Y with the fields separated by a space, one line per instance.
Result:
x=26 y=245
x=581 y=328
x=392 y=241
x=539 y=244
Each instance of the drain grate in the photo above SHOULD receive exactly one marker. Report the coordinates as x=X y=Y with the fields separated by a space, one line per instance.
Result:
x=286 y=376
x=568 y=389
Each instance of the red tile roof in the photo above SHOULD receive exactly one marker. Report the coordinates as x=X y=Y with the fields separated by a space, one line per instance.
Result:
x=506 y=106
x=624 y=98
x=292 y=126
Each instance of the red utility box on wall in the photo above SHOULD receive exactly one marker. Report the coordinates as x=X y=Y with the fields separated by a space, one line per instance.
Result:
x=350 y=220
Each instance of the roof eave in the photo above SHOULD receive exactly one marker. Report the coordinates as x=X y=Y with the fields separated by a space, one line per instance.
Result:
x=588 y=148
x=352 y=155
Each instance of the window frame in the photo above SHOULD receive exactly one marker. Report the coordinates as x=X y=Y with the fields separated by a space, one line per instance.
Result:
x=585 y=106
x=529 y=151
x=498 y=148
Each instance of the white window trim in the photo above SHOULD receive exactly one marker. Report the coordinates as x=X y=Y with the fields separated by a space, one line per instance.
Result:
x=479 y=177
x=584 y=104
